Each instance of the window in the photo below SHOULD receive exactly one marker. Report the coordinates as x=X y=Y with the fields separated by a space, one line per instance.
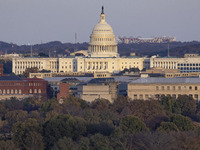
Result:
x=141 y=96
x=168 y=87
x=179 y=87
x=35 y=91
x=30 y=91
x=195 y=87
x=12 y=91
x=39 y=91
x=15 y=91
x=190 y=88
x=174 y=88
x=135 y=96
x=163 y=88
x=146 y=96
x=20 y=91
x=157 y=88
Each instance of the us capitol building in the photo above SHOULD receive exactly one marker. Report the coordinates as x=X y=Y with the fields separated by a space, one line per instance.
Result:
x=101 y=56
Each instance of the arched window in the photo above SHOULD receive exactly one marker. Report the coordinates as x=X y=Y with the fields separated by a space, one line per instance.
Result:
x=30 y=91
x=20 y=91
x=15 y=91
x=0 y=91
x=39 y=91
x=12 y=91
x=35 y=91
x=8 y=91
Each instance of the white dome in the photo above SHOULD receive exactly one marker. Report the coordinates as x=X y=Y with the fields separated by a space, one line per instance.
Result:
x=102 y=40
x=102 y=28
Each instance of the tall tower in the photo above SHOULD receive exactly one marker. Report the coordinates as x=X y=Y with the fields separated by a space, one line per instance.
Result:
x=102 y=40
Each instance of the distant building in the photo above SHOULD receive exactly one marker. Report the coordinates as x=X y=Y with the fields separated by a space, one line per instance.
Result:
x=106 y=88
x=63 y=91
x=128 y=40
x=155 y=88
x=102 y=56
x=13 y=86
x=186 y=64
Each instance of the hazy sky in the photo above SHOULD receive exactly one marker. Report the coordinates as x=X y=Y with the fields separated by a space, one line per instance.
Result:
x=36 y=21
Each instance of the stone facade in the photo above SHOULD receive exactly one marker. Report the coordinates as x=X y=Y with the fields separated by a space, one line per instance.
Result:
x=148 y=88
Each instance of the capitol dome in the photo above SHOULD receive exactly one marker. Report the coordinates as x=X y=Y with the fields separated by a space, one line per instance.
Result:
x=102 y=40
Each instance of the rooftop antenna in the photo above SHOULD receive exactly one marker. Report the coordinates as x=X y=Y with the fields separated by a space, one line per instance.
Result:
x=75 y=45
x=168 y=51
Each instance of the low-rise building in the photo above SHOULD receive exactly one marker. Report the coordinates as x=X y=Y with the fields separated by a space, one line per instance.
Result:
x=155 y=88
x=106 y=88
x=13 y=86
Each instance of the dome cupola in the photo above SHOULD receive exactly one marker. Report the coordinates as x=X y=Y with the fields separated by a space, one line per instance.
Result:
x=102 y=40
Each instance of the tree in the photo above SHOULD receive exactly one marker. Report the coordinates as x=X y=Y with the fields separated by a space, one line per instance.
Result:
x=169 y=104
x=13 y=104
x=30 y=70
x=65 y=144
x=120 y=103
x=99 y=142
x=152 y=141
x=55 y=129
x=151 y=112
x=167 y=127
x=186 y=104
x=7 y=145
x=131 y=124
x=183 y=123
x=63 y=126
x=100 y=104
x=27 y=135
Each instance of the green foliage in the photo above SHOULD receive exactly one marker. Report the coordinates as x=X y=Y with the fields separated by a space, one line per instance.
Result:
x=15 y=116
x=104 y=128
x=152 y=141
x=168 y=127
x=183 y=123
x=30 y=70
x=120 y=103
x=30 y=104
x=102 y=125
x=186 y=104
x=27 y=135
x=84 y=143
x=8 y=145
x=99 y=142
x=13 y=104
x=131 y=124
x=169 y=104
x=100 y=104
x=46 y=106
x=151 y=112
x=65 y=144
x=63 y=125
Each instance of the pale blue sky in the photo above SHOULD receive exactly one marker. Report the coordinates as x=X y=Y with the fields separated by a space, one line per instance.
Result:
x=33 y=21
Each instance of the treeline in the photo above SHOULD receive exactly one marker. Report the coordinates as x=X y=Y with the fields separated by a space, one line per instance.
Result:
x=177 y=49
x=37 y=124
